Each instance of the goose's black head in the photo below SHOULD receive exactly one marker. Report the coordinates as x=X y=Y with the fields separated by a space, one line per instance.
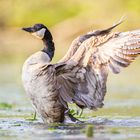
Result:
x=40 y=31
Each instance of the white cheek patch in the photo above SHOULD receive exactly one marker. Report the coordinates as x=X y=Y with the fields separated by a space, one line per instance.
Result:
x=39 y=34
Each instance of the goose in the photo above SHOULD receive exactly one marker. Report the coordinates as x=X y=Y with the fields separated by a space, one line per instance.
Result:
x=80 y=76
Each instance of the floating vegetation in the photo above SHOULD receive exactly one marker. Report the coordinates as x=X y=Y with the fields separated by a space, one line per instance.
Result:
x=51 y=129
x=77 y=113
x=73 y=112
x=32 y=118
x=115 y=131
x=18 y=124
x=89 y=131
x=5 y=106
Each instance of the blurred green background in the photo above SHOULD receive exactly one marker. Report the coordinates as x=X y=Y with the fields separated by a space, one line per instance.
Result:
x=66 y=20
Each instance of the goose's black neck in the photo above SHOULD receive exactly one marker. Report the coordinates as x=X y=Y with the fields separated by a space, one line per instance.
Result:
x=49 y=47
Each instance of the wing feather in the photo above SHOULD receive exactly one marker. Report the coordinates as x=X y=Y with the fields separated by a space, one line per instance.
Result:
x=119 y=51
x=82 y=79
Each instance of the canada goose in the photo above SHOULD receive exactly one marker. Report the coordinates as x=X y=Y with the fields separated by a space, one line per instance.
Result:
x=80 y=76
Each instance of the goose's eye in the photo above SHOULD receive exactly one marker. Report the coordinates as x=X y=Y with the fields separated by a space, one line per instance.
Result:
x=38 y=27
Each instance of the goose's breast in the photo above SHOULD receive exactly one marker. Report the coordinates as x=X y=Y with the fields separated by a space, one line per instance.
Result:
x=40 y=85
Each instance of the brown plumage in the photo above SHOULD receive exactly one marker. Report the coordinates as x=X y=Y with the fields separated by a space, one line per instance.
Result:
x=80 y=76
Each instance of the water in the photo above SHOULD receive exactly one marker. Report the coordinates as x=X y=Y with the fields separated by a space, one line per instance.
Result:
x=105 y=129
x=118 y=120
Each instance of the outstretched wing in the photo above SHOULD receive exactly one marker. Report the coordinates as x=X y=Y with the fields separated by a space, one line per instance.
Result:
x=83 y=77
x=117 y=52
x=80 y=39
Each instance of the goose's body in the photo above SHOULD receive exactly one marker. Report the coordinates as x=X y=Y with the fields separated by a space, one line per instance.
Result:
x=80 y=76
x=37 y=83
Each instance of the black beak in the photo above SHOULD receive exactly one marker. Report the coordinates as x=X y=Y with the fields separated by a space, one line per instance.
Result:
x=29 y=29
